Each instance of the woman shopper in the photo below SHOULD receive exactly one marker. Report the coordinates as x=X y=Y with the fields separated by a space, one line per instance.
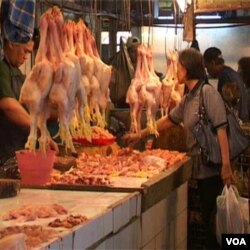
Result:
x=191 y=71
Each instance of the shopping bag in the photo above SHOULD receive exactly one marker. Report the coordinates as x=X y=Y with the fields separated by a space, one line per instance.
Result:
x=244 y=206
x=229 y=217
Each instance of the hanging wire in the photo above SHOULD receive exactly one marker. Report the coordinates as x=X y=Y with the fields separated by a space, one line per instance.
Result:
x=91 y=15
x=94 y=15
x=41 y=7
x=125 y=13
x=150 y=25
x=116 y=23
x=61 y=4
x=149 y=33
x=175 y=24
x=129 y=9
x=82 y=15
x=141 y=9
x=180 y=35
x=166 y=44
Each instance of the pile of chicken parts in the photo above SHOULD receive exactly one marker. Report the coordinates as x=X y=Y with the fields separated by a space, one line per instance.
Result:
x=69 y=77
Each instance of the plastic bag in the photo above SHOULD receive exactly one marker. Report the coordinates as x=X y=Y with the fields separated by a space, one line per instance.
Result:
x=151 y=160
x=229 y=217
x=122 y=74
x=244 y=206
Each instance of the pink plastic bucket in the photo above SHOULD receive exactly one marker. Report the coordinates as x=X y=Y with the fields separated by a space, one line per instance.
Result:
x=35 y=168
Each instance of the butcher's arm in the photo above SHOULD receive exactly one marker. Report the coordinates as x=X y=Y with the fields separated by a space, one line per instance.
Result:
x=226 y=171
x=15 y=112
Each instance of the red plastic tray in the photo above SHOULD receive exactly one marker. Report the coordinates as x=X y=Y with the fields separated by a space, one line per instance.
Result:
x=95 y=141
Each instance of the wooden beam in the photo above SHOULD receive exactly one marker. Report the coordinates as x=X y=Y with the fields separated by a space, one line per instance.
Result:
x=206 y=6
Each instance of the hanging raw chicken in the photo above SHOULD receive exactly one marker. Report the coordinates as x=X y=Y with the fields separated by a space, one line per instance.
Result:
x=172 y=91
x=66 y=93
x=144 y=92
x=36 y=88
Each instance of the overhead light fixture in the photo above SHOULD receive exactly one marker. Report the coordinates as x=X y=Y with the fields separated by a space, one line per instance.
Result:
x=165 y=17
x=208 y=17
x=182 y=5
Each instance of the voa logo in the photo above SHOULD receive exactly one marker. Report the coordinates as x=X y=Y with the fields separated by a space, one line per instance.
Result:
x=236 y=241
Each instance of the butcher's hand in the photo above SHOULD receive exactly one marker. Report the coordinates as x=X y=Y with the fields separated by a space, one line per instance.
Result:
x=53 y=145
x=227 y=174
x=131 y=138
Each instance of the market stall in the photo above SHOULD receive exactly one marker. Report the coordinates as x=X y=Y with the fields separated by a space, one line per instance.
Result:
x=128 y=213
x=105 y=214
x=99 y=192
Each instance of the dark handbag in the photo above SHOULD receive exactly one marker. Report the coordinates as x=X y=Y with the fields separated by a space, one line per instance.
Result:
x=122 y=74
x=206 y=136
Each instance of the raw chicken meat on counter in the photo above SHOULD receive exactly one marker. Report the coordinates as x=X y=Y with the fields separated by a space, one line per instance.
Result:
x=97 y=169
x=34 y=236
x=32 y=212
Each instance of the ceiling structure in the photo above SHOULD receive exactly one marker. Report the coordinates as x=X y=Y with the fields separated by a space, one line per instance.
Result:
x=112 y=16
x=156 y=12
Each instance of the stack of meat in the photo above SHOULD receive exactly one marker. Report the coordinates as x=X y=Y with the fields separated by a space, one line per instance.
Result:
x=148 y=92
x=97 y=169
x=69 y=77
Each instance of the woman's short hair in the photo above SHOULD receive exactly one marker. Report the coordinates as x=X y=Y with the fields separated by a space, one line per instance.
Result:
x=244 y=69
x=213 y=55
x=192 y=60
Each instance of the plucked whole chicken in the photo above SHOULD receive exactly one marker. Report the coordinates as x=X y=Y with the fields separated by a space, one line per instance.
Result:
x=147 y=92
x=68 y=76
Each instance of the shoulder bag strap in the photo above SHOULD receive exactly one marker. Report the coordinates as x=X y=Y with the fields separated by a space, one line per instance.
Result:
x=202 y=110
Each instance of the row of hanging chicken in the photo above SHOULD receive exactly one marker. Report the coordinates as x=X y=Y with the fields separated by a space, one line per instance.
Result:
x=147 y=92
x=70 y=78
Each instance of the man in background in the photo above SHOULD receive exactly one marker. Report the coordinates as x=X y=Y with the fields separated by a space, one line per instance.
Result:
x=226 y=76
x=132 y=44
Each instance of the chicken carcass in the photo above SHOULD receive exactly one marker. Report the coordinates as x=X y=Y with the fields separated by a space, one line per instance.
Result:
x=66 y=83
x=149 y=94
x=36 y=88
x=154 y=86
x=144 y=92
x=102 y=76
x=132 y=98
x=82 y=127
x=171 y=92
x=86 y=63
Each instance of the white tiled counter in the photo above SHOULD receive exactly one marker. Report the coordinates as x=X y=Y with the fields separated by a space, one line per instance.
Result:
x=162 y=226
x=153 y=218
x=107 y=212
x=163 y=219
